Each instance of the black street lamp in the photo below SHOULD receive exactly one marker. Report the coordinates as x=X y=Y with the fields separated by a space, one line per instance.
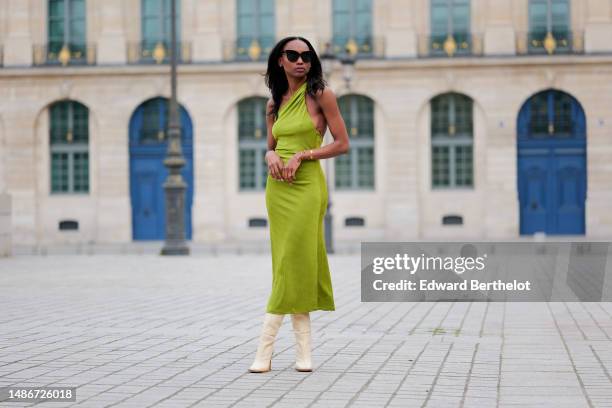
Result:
x=348 y=68
x=327 y=60
x=174 y=186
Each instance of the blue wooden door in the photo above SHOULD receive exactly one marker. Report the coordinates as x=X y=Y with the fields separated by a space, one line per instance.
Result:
x=551 y=166
x=569 y=192
x=148 y=145
x=533 y=191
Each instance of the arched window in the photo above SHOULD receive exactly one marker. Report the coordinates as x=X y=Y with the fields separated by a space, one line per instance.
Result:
x=152 y=120
x=451 y=141
x=355 y=170
x=252 y=144
x=69 y=147
x=551 y=114
x=352 y=24
x=156 y=30
x=450 y=18
x=66 y=41
x=255 y=29
x=549 y=16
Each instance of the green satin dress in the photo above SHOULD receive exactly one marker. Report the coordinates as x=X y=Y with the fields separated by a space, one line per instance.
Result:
x=301 y=280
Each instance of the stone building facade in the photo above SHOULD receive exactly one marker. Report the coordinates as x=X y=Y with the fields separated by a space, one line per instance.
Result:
x=416 y=60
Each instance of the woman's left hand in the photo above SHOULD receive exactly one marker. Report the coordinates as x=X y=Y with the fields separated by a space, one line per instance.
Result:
x=291 y=167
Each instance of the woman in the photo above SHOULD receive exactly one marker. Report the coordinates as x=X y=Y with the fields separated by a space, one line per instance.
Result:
x=299 y=112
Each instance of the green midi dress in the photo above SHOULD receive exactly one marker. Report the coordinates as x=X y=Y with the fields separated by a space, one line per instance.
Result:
x=301 y=280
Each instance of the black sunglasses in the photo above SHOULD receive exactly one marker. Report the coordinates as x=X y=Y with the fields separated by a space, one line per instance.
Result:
x=294 y=55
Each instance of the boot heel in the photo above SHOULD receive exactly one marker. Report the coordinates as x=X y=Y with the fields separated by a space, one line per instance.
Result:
x=254 y=370
x=271 y=325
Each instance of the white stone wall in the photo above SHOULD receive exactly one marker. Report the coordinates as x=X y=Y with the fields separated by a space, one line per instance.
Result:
x=402 y=207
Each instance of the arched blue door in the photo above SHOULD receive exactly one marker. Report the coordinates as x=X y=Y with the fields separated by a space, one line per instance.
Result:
x=148 y=145
x=552 y=182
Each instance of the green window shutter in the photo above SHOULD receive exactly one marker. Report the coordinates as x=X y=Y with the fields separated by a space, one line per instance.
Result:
x=365 y=167
x=67 y=23
x=451 y=141
x=59 y=172
x=252 y=143
x=355 y=170
x=439 y=14
x=151 y=23
x=450 y=17
x=352 y=19
x=463 y=115
x=255 y=21
x=440 y=166
x=77 y=23
x=247 y=168
x=69 y=147
x=156 y=18
x=440 y=117
x=341 y=18
x=549 y=15
x=267 y=26
x=461 y=17
x=81 y=171
x=560 y=14
x=80 y=123
x=538 y=16
x=342 y=166
x=252 y=119
x=246 y=18
x=365 y=117
x=56 y=26
x=58 y=122
x=246 y=119
x=363 y=20
x=246 y=27
x=463 y=166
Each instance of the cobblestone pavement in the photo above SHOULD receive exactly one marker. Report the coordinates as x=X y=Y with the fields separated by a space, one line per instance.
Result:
x=151 y=331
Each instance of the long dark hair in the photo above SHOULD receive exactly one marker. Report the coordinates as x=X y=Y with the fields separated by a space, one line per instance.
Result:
x=276 y=79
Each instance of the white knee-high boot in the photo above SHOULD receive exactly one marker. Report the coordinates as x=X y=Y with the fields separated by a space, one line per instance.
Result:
x=301 y=328
x=263 y=357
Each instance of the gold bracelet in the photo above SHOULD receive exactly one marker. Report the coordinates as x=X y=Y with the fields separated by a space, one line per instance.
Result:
x=311 y=154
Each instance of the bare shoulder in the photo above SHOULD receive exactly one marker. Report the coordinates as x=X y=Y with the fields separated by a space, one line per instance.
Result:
x=325 y=95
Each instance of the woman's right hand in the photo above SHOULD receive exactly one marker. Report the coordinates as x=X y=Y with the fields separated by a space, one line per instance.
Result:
x=275 y=165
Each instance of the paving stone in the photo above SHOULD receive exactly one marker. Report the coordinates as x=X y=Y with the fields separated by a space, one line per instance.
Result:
x=144 y=330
